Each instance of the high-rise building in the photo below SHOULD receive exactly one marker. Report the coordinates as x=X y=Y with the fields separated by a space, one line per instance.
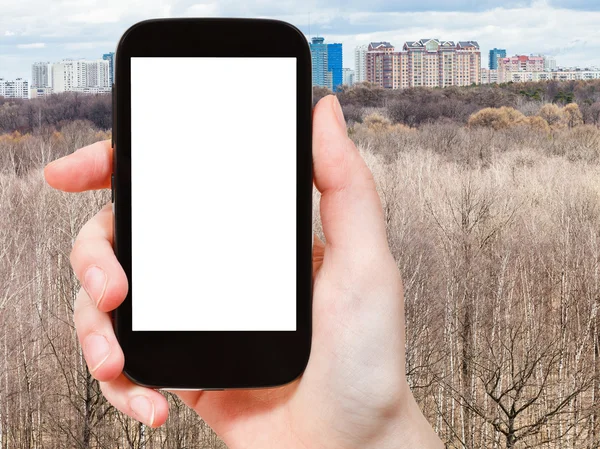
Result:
x=88 y=76
x=327 y=63
x=549 y=63
x=495 y=54
x=110 y=57
x=335 y=65
x=489 y=76
x=348 y=76
x=522 y=63
x=40 y=74
x=62 y=76
x=385 y=66
x=98 y=73
x=360 y=63
x=428 y=63
x=518 y=63
x=19 y=88
x=318 y=51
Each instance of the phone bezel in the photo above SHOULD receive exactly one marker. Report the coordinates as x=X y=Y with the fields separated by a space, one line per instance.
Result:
x=212 y=359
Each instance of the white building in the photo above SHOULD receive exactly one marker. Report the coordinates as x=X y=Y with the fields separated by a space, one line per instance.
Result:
x=81 y=76
x=18 y=88
x=557 y=75
x=489 y=76
x=524 y=76
x=40 y=74
x=62 y=76
x=576 y=74
x=40 y=92
x=360 y=63
x=549 y=63
x=92 y=90
x=98 y=74
x=348 y=77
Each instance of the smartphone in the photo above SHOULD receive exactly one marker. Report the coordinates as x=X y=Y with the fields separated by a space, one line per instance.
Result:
x=212 y=197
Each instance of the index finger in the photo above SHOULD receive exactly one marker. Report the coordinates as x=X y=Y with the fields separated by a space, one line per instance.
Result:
x=88 y=168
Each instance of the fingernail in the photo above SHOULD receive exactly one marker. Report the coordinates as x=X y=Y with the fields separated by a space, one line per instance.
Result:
x=96 y=350
x=337 y=109
x=94 y=281
x=143 y=409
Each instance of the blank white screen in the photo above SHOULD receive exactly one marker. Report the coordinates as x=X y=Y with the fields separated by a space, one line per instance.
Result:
x=213 y=192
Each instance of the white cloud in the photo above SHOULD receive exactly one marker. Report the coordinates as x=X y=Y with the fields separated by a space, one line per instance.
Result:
x=88 y=28
x=98 y=15
x=101 y=46
x=571 y=35
x=34 y=45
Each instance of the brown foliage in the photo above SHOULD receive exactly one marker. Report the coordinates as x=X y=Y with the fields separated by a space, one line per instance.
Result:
x=496 y=118
x=536 y=123
x=55 y=111
x=572 y=115
x=497 y=235
x=419 y=106
x=552 y=114
x=495 y=228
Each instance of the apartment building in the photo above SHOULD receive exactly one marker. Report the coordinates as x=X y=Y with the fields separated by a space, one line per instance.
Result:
x=348 y=76
x=489 y=76
x=521 y=63
x=40 y=92
x=557 y=75
x=63 y=76
x=41 y=74
x=81 y=75
x=18 y=88
x=360 y=63
x=427 y=63
x=521 y=68
x=549 y=63
x=385 y=66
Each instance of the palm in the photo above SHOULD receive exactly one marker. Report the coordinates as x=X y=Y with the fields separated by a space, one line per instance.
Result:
x=250 y=414
x=359 y=394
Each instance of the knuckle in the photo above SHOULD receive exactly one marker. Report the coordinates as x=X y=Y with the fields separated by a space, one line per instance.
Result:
x=76 y=250
x=79 y=308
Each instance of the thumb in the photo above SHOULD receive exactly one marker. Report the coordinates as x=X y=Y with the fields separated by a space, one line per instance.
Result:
x=351 y=211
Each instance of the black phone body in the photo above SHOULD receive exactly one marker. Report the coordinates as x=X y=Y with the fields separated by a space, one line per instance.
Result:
x=236 y=354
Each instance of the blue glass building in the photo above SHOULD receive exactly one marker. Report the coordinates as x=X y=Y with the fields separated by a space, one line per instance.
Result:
x=110 y=57
x=318 y=52
x=334 y=65
x=326 y=64
x=494 y=55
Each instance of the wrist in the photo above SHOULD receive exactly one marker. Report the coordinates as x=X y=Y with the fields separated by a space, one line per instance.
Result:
x=407 y=429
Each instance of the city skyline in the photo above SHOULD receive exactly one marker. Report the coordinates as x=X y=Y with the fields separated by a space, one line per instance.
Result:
x=428 y=62
x=84 y=31
x=352 y=67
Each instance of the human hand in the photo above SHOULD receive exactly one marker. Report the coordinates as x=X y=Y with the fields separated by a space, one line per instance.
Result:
x=354 y=392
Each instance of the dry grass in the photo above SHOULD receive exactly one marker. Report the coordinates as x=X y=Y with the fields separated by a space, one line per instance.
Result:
x=496 y=233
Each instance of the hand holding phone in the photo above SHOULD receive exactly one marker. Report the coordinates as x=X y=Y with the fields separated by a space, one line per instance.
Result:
x=354 y=389
x=353 y=392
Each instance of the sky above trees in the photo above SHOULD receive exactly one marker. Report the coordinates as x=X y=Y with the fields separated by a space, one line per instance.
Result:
x=40 y=30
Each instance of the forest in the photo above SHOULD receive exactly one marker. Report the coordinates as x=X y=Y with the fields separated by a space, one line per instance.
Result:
x=491 y=197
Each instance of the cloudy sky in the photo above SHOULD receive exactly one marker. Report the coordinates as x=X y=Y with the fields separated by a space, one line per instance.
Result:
x=49 y=30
